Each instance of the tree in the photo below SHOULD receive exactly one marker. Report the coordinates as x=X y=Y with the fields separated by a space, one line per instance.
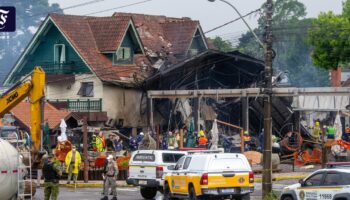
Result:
x=292 y=52
x=221 y=44
x=330 y=39
x=29 y=15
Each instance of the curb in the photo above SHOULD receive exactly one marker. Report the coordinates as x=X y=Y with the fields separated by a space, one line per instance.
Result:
x=282 y=178
x=100 y=185
x=88 y=185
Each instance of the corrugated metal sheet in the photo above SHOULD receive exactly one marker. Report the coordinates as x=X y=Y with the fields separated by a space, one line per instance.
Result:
x=321 y=103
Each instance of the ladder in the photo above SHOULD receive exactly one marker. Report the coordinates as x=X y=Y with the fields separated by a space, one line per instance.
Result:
x=24 y=172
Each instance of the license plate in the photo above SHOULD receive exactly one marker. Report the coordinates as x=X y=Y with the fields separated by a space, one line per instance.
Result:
x=143 y=182
x=228 y=190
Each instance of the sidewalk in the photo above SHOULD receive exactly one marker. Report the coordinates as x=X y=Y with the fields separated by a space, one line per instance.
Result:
x=283 y=176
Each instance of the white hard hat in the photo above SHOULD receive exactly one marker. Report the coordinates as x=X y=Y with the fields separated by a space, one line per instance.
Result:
x=141 y=133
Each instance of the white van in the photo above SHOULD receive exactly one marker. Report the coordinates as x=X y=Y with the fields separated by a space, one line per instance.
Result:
x=147 y=169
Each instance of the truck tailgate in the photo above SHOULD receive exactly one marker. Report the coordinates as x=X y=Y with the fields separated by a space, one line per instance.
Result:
x=142 y=171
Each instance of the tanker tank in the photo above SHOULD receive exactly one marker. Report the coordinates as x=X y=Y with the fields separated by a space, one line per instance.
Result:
x=8 y=170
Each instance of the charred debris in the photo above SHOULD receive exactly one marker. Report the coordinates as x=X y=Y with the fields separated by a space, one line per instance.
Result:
x=217 y=70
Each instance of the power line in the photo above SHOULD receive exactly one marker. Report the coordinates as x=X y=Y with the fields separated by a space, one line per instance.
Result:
x=230 y=22
x=128 y=5
x=69 y=7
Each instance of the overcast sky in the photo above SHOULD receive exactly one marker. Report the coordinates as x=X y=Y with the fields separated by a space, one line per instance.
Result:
x=209 y=14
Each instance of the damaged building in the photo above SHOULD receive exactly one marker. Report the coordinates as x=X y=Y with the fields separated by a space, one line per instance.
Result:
x=216 y=70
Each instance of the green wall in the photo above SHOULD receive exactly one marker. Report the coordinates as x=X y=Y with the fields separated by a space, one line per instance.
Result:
x=42 y=54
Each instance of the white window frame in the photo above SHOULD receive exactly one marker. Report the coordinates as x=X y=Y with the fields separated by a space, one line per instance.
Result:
x=123 y=53
x=82 y=91
x=59 y=59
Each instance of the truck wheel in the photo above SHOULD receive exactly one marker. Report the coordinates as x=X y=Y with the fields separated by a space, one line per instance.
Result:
x=287 y=197
x=148 y=192
x=192 y=193
x=243 y=197
x=167 y=192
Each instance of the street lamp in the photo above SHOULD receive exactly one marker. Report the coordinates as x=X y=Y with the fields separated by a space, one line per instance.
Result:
x=245 y=22
x=267 y=153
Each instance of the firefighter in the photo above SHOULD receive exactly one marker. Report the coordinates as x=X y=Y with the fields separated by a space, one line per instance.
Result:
x=247 y=140
x=202 y=140
x=316 y=132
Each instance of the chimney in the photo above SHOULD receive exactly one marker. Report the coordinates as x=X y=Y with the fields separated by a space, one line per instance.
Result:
x=336 y=77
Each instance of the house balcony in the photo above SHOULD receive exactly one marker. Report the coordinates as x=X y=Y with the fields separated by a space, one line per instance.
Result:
x=78 y=105
x=70 y=67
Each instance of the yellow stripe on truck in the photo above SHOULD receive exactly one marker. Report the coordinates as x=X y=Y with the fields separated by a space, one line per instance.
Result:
x=237 y=180
x=320 y=188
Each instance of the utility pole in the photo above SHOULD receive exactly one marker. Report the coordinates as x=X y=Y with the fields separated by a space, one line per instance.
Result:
x=85 y=150
x=267 y=153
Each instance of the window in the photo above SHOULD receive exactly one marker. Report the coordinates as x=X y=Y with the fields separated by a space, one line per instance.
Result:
x=86 y=89
x=332 y=179
x=171 y=158
x=179 y=163
x=228 y=164
x=144 y=157
x=187 y=162
x=193 y=52
x=345 y=179
x=123 y=54
x=314 y=180
x=59 y=53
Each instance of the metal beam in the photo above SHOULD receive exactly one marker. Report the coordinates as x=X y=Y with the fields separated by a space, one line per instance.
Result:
x=249 y=92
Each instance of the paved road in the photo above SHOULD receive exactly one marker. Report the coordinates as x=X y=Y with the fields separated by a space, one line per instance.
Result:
x=133 y=193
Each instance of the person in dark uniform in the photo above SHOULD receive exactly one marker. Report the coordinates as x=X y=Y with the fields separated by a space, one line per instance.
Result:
x=52 y=173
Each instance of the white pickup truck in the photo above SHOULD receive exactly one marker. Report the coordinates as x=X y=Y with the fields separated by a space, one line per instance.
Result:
x=147 y=169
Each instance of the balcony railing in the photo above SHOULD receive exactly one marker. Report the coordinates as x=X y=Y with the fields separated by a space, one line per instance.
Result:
x=78 y=105
x=70 y=67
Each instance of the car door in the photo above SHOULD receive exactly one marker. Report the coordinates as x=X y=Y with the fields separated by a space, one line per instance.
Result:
x=183 y=176
x=331 y=185
x=310 y=187
x=175 y=174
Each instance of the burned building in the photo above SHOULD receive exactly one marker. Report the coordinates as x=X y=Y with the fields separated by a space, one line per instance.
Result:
x=216 y=70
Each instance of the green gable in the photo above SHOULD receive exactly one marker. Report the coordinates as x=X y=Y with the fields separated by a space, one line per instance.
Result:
x=197 y=45
x=128 y=48
x=52 y=52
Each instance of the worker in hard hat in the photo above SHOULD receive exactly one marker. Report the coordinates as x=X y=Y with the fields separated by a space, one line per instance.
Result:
x=316 y=132
x=247 y=140
x=202 y=140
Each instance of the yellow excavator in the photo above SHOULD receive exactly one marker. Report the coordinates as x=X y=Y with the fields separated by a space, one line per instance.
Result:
x=33 y=88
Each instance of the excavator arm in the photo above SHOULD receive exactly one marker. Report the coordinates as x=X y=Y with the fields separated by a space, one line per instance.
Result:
x=34 y=89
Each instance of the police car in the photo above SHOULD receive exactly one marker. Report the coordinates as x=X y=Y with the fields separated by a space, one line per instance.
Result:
x=332 y=183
